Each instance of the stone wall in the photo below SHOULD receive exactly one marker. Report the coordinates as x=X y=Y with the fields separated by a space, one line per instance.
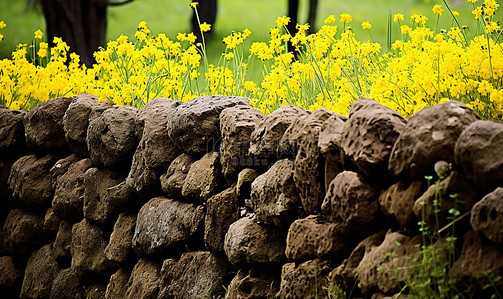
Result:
x=179 y=200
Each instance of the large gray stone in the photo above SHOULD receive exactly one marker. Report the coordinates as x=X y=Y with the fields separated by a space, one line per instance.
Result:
x=195 y=124
x=111 y=137
x=429 y=136
x=478 y=153
x=198 y=274
x=204 y=178
x=397 y=203
x=274 y=197
x=163 y=224
x=247 y=242
x=487 y=216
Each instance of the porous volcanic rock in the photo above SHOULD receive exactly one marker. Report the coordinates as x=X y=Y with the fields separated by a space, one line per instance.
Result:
x=204 y=178
x=376 y=269
x=41 y=270
x=88 y=248
x=195 y=124
x=117 y=287
x=203 y=271
x=236 y=126
x=96 y=291
x=111 y=137
x=163 y=224
x=254 y=283
x=11 y=273
x=44 y=125
x=23 y=231
x=144 y=280
x=351 y=203
x=248 y=242
x=76 y=121
x=51 y=222
x=12 y=139
x=305 y=280
x=172 y=181
x=69 y=194
x=155 y=150
x=397 y=202
x=369 y=136
x=330 y=145
x=265 y=139
x=478 y=152
x=67 y=284
x=63 y=242
x=221 y=211
x=429 y=136
x=97 y=205
x=120 y=249
x=4 y=186
x=487 y=216
x=313 y=237
x=274 y=198
x=480 y=262
x=245 y=179
x=30 y=181
x=61 y=167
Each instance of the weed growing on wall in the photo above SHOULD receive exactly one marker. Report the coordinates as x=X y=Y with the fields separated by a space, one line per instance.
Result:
x=330 y=68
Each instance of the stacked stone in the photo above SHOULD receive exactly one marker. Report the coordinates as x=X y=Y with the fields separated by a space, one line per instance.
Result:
x=176 y=200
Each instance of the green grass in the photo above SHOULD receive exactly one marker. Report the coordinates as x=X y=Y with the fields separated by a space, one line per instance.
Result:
x=171 y=17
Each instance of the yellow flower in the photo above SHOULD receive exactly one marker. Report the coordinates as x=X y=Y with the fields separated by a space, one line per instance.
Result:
x=1 y=37
x=437 y=9
x=346 y=18
x=205 y=27
x=398 y=17
x=405 y=29
x=249 y=85
x=2 y=25
x=229 y=56
x=477 y=12
x=366 y=25
x=330 y=19
x=122 y=39
x=419 y=19
x=282 y=21
x=194 y=4
x=246 y=33
x=492 y=26
x=38 y=34
x=471 y=1
x=455 y=13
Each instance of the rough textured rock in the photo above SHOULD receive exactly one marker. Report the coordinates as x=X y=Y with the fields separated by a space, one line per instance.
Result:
x=67 y=284
x=172 y=181
x=274 y=198
x=479 y=263
x=12 y=140
x=254 y=283
x=370 y=133
x=63 y=241
x=247 y=242
x=117 y=287
x=96 y=291
x=11 y=273
x=245 y=179
x=97 y=205
x=429 y=136
x=155 y=150
x=487 y=216
x=305 y=280
x=144 y=280
x=351 y=203
x=41 y=270
x=204 y=178
x=23 y=231
x=195 y=124
x=30 y=181
x=69 y=194
x=453 y=192
x=111 y=137
x=236 y=126
x=51 y=222
x=313 y=237
x=478 y=152
x=88 y=248
x=120 y=249
x=265 y=139
x=221 y=211
x=76 y=121
x=4 y=178
x=61 y=167
x=329 y=142
x=44 y=125
x=203 y=271
x=398 y=200
x=377 y=269
x=163 y=224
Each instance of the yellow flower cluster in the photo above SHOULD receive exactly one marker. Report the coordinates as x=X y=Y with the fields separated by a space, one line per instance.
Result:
x=329 y=68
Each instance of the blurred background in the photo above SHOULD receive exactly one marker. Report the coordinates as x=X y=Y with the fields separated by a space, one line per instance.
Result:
x=24 y=17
